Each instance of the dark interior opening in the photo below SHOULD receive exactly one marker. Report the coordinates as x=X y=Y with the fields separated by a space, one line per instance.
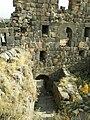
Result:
x=42 y=56
x=45 y=29
x=45 y=78
x=81 y=52
x=87 y=32
x=23 y=29
x=4 y=40
x=69 y=35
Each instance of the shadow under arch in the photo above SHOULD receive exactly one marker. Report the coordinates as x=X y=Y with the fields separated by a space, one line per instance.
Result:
x=42 y=76
x=45 y=79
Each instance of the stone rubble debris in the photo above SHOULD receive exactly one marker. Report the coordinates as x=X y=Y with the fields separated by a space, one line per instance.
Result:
x=73 y=99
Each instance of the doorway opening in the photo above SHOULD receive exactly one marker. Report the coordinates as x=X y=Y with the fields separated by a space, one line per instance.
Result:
x=69 y=36
x=43 y=80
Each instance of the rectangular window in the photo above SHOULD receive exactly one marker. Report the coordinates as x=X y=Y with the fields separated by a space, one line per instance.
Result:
x=87 y=32
x=42 y=56
x=3 y=39
x=45 y=30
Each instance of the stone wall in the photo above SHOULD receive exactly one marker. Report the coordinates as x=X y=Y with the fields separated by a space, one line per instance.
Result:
x=17 y=86
x=6 y=35
x=56 y=37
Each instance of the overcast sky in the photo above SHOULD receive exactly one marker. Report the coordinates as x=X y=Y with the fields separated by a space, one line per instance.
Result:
x=6 y=7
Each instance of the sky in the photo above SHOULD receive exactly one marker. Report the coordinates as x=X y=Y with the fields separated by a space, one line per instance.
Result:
x=64 y=3
x=6 y=7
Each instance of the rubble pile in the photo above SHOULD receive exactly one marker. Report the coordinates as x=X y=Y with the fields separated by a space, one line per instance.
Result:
x=17 y=87
x=74 y=98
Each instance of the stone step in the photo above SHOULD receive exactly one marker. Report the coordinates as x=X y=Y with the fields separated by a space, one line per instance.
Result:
x=46 y=98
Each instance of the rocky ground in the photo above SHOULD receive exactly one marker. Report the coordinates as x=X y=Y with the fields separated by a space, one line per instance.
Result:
x=45 y=107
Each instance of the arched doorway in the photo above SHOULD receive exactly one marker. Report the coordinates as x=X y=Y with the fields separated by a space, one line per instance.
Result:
x=69 y=36
x=45 y=101
x=43 y=80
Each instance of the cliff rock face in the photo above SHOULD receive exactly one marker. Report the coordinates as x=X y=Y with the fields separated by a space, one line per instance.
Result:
x=17 y=87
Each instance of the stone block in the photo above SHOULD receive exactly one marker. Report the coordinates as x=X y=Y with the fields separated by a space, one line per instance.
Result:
x=63 y=42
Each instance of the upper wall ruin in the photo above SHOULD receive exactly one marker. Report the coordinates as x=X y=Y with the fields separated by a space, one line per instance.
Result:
x=55 y=36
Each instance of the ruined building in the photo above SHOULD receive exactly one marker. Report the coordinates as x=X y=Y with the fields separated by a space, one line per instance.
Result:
x=55 y=41
x=56 y=36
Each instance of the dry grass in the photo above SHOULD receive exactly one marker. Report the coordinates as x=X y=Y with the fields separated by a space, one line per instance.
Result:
x=17 y=88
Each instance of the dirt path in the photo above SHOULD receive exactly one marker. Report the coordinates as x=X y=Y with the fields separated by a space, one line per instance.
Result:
x=46 y=107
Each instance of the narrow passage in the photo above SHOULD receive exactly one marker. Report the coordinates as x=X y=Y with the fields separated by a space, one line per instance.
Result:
x=45 y=107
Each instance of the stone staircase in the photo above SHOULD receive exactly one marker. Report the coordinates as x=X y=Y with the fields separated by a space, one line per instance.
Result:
x=45 y=107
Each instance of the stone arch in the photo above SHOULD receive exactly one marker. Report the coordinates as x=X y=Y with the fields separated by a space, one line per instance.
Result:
x=45 y=78
x=42 y=76
x=69 y=36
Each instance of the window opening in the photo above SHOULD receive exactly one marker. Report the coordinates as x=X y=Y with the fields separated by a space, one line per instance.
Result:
x=45 y=30
x=87 y=32
x=3 y=39
x=69 y=35
x=42 y=56
x=81 y=52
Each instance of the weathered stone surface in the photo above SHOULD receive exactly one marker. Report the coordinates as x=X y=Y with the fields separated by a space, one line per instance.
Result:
x=66 y=33
x=17 y=86
x=68 y=89
x=55 y=37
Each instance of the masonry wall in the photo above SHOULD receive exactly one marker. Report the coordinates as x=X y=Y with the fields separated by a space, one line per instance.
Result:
x=56 y=37
x=6 y=38
x=17 y=86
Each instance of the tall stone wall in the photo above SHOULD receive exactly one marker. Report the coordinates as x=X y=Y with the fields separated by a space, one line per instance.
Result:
x=56 y=37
